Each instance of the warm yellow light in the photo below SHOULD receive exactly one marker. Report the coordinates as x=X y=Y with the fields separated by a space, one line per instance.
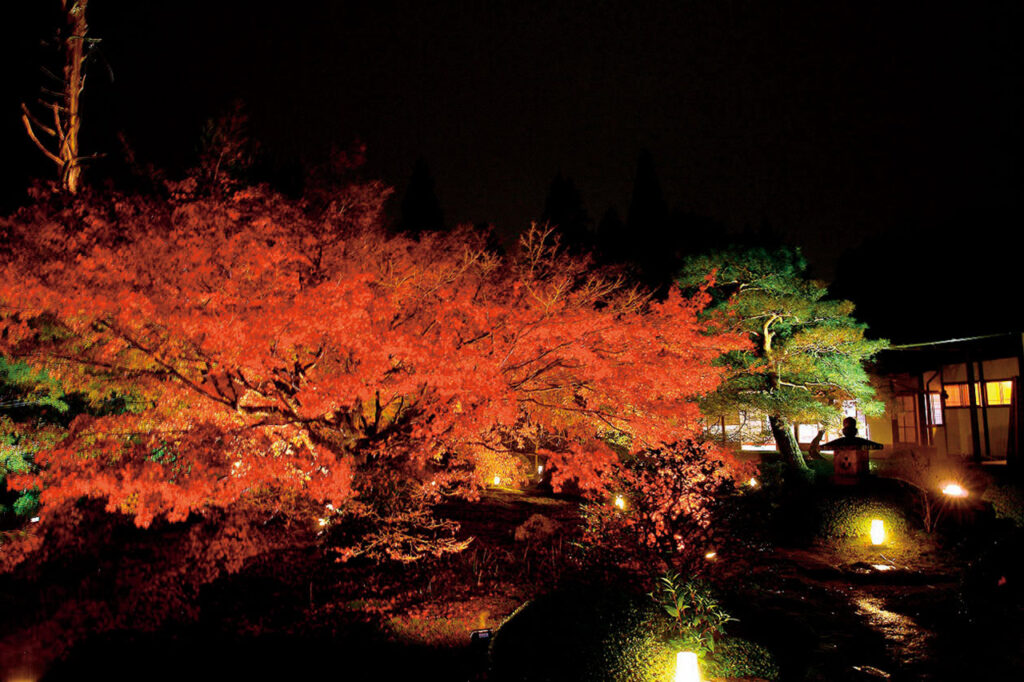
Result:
x=19 y=676
x=497 y=480
x=322 y=522
x=620 y=502
x=877 y=532
x=710 y=555
x=954 y=490
x=540 y=468
x=687 y=669
x=753 y=482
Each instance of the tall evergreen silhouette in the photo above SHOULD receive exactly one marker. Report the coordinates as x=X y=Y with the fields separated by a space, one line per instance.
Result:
x=564 y=209
x=421 y=210
x=611 y=237
x=651 y=246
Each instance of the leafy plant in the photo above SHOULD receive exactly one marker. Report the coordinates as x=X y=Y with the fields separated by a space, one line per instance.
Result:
x=698 y=619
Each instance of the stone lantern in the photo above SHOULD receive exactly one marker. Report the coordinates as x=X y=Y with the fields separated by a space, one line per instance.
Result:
x=851 y=459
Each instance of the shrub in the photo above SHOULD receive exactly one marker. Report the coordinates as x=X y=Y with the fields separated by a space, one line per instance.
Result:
x=673 y=499
x=850 y=518
x=1007 y=500
x=847 y=516
x=698 y=620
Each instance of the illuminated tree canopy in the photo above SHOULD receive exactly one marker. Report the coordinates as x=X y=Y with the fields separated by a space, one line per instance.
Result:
x=807 y=354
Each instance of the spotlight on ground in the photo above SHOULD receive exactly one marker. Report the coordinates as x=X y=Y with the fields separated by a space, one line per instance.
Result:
x=954 y=490
x=877 y=532
x=687 y=669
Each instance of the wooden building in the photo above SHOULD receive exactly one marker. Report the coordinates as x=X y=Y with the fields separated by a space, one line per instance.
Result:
x=929 y=404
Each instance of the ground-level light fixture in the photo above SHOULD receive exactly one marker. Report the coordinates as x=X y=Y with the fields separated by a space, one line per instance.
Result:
x=497 y=480
x=620 y=502
x=481 y=637
x=540 y=468
x=877 y=532
x=711 y=556
x=753 y=482
x=687 y=669
x=954 y=490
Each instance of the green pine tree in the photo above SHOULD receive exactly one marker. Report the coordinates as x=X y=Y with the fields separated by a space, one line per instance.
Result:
x=808 y=353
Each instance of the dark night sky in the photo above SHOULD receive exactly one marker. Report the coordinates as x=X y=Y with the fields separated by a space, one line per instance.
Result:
x=834 y=122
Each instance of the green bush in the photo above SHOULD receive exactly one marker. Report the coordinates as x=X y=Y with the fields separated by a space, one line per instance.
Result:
x=14 y=461
x=27 y=504
x=1007 y=500
x=847 y=516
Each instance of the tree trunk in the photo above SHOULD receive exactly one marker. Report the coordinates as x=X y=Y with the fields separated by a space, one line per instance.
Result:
x=65 y=107
x=74 y=81
x=785 y=441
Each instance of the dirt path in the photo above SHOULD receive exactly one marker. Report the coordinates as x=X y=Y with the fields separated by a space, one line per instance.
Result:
x=847 y=623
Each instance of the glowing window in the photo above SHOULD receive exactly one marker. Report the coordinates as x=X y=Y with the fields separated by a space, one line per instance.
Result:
x=999 y=392
x=935 y=409
x=956 y=395
x=996 y=393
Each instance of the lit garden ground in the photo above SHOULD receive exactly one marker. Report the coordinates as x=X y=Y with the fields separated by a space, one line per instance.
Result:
x=804 y=581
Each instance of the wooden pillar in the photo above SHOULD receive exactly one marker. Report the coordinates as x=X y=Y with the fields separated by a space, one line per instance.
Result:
x=984 y=408
x=924 y=433
x=975 y=435
x=1013 y=456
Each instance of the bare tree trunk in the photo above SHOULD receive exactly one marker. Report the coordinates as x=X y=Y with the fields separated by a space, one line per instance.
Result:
x=74 y=83
x=67 y=121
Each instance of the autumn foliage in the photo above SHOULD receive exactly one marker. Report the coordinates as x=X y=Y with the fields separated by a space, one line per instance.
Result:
x=294 y=360
x=668 y=515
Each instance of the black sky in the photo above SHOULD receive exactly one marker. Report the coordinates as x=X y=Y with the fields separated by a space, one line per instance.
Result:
x=833 y=122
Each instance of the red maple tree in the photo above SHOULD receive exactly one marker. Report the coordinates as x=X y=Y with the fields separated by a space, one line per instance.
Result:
x=286 y=358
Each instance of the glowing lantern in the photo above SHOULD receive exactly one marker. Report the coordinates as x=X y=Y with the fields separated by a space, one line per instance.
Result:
x=954 y=490
x=497 y=480
x=687 y=669
x=877 y=532
x=540 y=468
x=322 y=522
x=711 y=556
x=753 y=482
x=620 y=502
